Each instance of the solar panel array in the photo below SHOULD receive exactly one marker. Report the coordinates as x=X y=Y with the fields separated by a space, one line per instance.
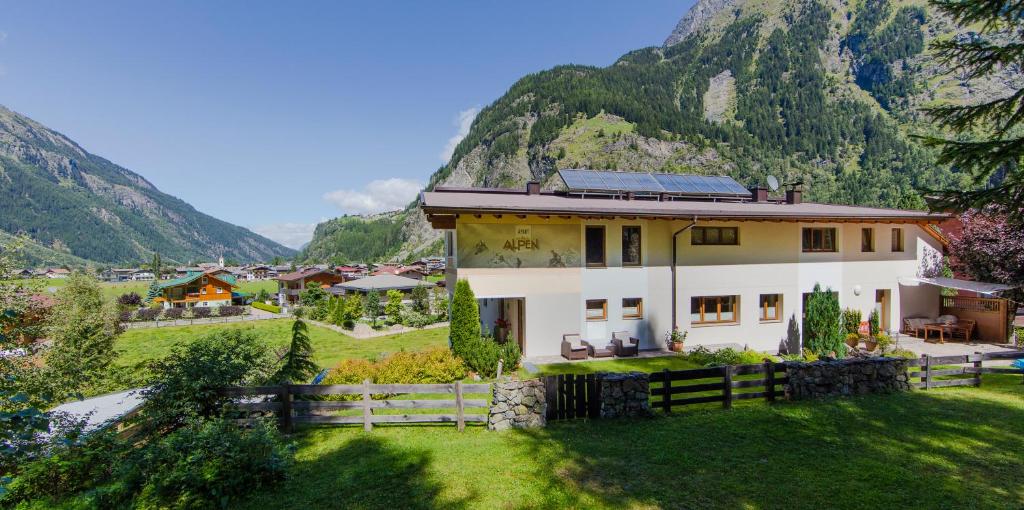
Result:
x=608 y=182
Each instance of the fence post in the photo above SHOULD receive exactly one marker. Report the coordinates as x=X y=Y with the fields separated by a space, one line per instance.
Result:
x=460 y=412
x=927 y=371
x=286 y=408
x=367 y=413
x=666 y=395
x=977 y=368
x=727 y=389
x=570 y=396
x=501 y=364
x=769 y=380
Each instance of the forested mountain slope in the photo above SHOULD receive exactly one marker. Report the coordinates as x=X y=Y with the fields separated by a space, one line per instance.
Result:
x=826 y=92
x=75 y=203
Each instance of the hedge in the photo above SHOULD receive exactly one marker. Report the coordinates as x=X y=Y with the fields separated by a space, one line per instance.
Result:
x=265 y=307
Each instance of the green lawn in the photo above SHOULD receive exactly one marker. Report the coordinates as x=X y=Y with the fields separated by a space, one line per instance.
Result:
x=614 y=365
x=946 y=448
x=136 y=345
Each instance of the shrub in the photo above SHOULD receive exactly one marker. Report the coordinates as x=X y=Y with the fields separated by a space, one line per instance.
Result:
x=902 y=353
x=809 y=355
x=230 y=311
x=1020 y=337
x=873 y=323
x=415 y=319
x=265 y=307
x=67 y=470
x=823 y=333
x=727 y=356
x=482 y=354
x=201 y=312
x=851 y=321
x=130 y=299
x=205 y=464
x=420 y=299
x=126 y=316
x=884 y=342
x=148 y=314
x=433 y=366
x=174 y=313
x=465 y=320
x=393 y=308
x=187 y=382
x=372 y=305
x=854 y=337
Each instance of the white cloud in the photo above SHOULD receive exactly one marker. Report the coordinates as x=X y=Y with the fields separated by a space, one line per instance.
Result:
x=378 y=196
x=292 y=235
x=463 y=122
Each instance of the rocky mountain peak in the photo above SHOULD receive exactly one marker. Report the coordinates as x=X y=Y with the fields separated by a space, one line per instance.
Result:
x=697 y=18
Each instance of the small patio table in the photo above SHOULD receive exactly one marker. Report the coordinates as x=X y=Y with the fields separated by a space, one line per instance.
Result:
x=946 y=329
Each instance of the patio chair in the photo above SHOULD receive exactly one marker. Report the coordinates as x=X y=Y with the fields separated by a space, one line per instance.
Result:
x=573 y=348
x=625 y=345
x=594 y=351
x=914 y=325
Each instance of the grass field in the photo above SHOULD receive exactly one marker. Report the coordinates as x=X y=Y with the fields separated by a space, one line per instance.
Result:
x=136 y=345
x=947 y=448
x=113 y=290
x=614 y=365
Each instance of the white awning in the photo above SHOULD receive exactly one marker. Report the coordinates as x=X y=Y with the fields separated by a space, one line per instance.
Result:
x=953 y=283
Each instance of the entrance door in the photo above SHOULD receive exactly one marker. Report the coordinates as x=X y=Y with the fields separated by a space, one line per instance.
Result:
x=514 y=315
x=882 y=301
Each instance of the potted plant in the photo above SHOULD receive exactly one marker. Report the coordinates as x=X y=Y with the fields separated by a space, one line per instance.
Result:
x=871 y=343
x=675 y=339
x=852 y=339
x=884 y=343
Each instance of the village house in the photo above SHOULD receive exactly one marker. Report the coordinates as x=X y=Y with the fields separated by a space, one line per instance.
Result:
x=195 y=289
x=291 y=285
x=382 y=283
x=651 y=252
x=55 y=272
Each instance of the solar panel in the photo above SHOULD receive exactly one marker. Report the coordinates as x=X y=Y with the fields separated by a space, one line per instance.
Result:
x=598 y=181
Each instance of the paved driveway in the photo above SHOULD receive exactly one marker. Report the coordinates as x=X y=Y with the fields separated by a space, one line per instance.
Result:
x=956 y=348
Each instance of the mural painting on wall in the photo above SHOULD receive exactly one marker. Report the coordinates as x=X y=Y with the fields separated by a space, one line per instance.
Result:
x=496 y=245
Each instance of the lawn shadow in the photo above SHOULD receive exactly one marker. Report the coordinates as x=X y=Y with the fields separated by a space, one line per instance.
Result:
x=939 y=449
x=365 y=472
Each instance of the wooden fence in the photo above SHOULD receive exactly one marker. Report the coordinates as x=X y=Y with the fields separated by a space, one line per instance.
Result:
x=935 y=372
x=991 y=315
x=295 y=403
x=716 y=384
x=570 y=396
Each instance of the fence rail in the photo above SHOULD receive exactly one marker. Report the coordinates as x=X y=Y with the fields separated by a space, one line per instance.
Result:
x=723 y=387
x=932 y=367
x=291 y=411
x=570 y=396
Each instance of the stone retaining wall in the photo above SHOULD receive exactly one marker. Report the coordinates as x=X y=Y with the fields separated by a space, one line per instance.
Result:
x=624 y=394
x=517 y=404
x=821 y=379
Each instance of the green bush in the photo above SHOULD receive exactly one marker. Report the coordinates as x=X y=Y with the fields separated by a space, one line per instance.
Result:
x=873 y=323
x=823 y=330
x=902 y=353
x=265 y=307
x=703 y=356
x=187 y=382
x=420 y=299
x=414 y=319
x=205 y=464
x=851 y=321
x=884 y=342
x=482 y=355
x=67 y=470
x=465 y=320
x=432 y=366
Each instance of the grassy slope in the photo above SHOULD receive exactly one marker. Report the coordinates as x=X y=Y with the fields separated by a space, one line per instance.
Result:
x=948 y=448
x=139 y=345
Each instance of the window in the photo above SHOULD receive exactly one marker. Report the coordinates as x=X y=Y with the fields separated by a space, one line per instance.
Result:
x=597 y=309
x=631 y=246
x=205 y=280
x=771 y=307
x=819 y=239
x=202 y=291
x=632 y=308
x=715 y=235
x=867 y=239
x=220 y=290
x=595 y=246
x=713 y=309
x=897 y=239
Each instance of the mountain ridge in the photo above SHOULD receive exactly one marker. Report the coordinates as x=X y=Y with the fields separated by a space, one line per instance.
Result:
x=67 y=199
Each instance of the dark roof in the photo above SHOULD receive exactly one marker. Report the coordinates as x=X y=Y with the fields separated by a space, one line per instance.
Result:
x=193 y=276
x=485 y=201
x=384 y=282
x=305 y=273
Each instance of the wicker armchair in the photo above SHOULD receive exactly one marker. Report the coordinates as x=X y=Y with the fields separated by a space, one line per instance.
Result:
x=599 y=352
x=625 y=345
x=573 y=348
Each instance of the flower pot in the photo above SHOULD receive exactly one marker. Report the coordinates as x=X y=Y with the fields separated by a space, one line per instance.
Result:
x=676 y=346
x=871 y=344
x=852 y=341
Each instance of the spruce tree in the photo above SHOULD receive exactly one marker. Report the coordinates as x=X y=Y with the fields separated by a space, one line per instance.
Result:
x=990 y=134
x=823 y=327
x=298 y=361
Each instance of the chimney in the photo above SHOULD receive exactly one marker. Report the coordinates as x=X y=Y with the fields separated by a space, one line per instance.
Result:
x=793 y=196
x=533 y=188
x=759 y=194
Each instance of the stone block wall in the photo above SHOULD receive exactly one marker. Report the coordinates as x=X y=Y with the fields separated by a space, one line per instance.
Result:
x=517 y=404
x=822 y=379
x=624 y=394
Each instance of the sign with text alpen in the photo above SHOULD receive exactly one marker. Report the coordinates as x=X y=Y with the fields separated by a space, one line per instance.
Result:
x=508 y=245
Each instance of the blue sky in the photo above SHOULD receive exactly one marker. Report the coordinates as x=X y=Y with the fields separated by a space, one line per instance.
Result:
x=304 y=111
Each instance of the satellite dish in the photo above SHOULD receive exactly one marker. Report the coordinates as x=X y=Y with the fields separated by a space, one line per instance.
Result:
x=773 y=183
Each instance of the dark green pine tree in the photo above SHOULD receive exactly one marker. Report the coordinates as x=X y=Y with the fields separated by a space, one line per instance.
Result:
x=298 y=361
x=990 y=135
x=157 y=265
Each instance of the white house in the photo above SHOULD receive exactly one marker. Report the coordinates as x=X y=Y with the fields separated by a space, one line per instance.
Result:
x=726 y=264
